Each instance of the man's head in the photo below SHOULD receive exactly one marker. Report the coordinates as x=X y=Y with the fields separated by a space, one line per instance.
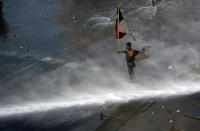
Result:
x=128 y=45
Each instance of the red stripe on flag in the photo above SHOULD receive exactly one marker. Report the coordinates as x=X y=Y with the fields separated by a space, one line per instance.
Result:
x=119 y=35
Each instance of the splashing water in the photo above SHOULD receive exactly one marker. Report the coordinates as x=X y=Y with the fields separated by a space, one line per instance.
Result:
x=110 y=88
x=165 y=27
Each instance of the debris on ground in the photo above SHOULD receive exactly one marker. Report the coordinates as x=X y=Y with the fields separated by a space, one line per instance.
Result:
x=74 y=19
x=21 y=47
x=171 y=121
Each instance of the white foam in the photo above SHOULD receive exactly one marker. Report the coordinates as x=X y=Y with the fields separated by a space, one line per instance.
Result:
x=47 y=59
x=99 y=22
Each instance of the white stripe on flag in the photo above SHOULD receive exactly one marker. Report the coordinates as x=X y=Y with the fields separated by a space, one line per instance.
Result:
x=123 y=27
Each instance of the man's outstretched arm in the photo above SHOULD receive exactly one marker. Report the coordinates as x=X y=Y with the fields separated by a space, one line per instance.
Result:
x=121 y=51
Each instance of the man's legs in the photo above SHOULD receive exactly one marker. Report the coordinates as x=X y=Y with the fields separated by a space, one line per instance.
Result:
x=131 y=72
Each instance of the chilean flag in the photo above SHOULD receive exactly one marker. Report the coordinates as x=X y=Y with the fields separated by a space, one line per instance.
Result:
x=121 y=27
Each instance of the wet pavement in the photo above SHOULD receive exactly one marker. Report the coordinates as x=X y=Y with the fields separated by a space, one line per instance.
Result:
x=162 y=115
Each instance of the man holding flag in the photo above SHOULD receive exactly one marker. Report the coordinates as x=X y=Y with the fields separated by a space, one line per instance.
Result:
x=130 y=58
x=131 y=55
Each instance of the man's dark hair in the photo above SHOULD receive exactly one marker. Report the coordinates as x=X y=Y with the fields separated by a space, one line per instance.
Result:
x=129 y=44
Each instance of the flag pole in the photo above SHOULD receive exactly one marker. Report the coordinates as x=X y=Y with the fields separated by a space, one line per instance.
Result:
x=118 y=38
